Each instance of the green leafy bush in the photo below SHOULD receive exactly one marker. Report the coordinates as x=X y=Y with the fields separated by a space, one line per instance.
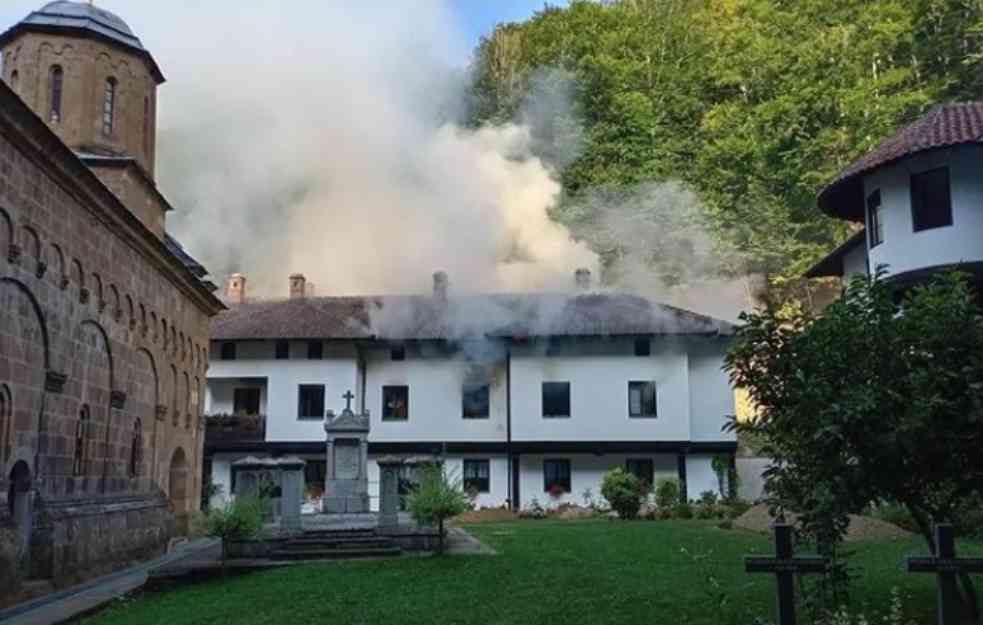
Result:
x=436 y=498
x=708 y=498
x=623 y=491
x=666 y=493
x=240 y=519
x=683 y=510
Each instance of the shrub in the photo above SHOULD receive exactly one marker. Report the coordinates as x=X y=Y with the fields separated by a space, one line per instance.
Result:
x=623 y=491
x=437 y=498
x=683 y=510
x=666 y=493
x=895 y=514
x=737 y=507
x=240 y=519
x=708 y=498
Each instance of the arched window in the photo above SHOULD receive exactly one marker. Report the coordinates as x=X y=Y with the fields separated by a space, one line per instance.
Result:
x=136 y=449
x=146 y=127
x=6 y=423
x=81 y=435
x=109 y=107
x=55 y=80
x=14 y=79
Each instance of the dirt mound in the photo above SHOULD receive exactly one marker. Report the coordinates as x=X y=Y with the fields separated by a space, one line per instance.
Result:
x=486 y=515
x=757 y=519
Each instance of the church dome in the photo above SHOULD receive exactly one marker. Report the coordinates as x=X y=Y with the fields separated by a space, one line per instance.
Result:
x=85 y=16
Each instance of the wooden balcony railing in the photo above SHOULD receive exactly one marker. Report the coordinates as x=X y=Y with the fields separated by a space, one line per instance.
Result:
x=235 y=428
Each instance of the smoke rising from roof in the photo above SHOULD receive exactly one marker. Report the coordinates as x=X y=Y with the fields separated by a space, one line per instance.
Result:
x=327 y=149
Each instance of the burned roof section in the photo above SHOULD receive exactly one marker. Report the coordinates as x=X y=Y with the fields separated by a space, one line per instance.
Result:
x=943 y=126
x=429 y=318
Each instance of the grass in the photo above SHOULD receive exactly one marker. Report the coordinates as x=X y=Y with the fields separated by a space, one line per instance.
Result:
x=563 y=572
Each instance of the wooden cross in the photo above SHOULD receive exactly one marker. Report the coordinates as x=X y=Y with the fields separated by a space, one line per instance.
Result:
x=785 y=566
x=348 y=400
x=946 y=566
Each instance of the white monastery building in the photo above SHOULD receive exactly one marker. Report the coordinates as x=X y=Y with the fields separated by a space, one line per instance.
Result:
x=525 y=397
x=919 y=198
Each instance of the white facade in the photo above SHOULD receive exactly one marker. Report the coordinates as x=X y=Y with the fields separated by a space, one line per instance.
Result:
x=693 y=400
x=903 y=249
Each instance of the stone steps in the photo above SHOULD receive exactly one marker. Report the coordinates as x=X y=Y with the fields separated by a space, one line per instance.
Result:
x=360 y=541
x=337 y=553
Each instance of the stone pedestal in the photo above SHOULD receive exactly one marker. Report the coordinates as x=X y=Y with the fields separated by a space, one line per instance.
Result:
x=346 y=483
x=389 y=469
x=292 y=493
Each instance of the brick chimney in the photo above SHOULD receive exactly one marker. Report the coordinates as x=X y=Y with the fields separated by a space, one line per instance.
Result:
x=298 y=285
x=440 y=283
x=235 y=289
x=581 y=278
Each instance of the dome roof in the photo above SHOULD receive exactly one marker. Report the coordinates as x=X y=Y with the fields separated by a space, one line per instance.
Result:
x=63 y=13
x=86 y=19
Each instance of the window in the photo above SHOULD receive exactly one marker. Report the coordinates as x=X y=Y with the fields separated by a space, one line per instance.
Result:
x=109 y=107
x=81 y=434
x=874 y=225
x=14 y=80
x=315 y=350
x=642 y=468
x=643 y=347
x=556 y=474
x=282 y=350
x=311 y=403
x=136 y=449
x=314 y=474
x=556 y=399
x=931 y=204
x=641 y=399
x=56 y=79
x=475 y=398
x=245 y=401
x=228 y=351
x=397 y=353
x=146 y=127
x=395 y=403
x=476 y=476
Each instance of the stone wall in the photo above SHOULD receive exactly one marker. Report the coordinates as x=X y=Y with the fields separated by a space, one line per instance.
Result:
x=103 y=339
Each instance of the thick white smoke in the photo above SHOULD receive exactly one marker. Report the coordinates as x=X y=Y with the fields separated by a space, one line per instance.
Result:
x=315 y=139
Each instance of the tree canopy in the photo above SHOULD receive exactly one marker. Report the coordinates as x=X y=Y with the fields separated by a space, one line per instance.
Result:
x=754 y=104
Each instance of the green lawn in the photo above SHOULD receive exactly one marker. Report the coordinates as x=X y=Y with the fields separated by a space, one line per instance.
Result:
x=590 y=572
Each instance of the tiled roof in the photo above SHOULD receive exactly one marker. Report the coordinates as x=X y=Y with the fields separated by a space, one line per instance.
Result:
x=174 y=247
x=945 y=125
x=429 y=318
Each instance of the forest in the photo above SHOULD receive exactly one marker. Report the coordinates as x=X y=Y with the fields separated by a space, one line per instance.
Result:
x=751 y=105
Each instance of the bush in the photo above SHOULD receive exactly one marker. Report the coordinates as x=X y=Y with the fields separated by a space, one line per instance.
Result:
x=623 y=491
x=437 y=498
x=240 y=519
x=683 y=511
x=666 y=493
x=737 y=507
x=708 y=498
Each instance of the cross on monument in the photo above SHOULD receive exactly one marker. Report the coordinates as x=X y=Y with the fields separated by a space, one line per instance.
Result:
x=348 y=396
x=946 y=566
x=785 y=566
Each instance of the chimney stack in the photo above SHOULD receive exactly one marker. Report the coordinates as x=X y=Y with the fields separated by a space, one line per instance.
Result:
x=298 y=285
x=440 y=283
x=235 y=289
x=581 y=278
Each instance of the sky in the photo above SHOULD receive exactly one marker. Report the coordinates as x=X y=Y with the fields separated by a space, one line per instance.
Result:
x=473 y=18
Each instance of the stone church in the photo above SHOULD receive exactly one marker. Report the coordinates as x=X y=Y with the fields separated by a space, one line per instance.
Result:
x=104 y=319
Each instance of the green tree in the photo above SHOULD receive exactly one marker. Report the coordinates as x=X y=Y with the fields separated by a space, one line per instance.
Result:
x=881 y=398
x=624 y=492
x=436 y=498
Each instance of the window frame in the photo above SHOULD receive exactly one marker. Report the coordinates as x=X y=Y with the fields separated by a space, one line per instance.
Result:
x=109 y=98
x=250 y=390
x=389 y=388
x=56 y=90
x=481 y=484
x=875 y=223
x=301 y=388
x=465 y=388
x=642 y=414
x=559 y=462
x=547 y=415
x=918 y=208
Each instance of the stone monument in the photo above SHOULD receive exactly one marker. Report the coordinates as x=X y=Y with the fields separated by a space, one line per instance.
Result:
x=346 y=482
